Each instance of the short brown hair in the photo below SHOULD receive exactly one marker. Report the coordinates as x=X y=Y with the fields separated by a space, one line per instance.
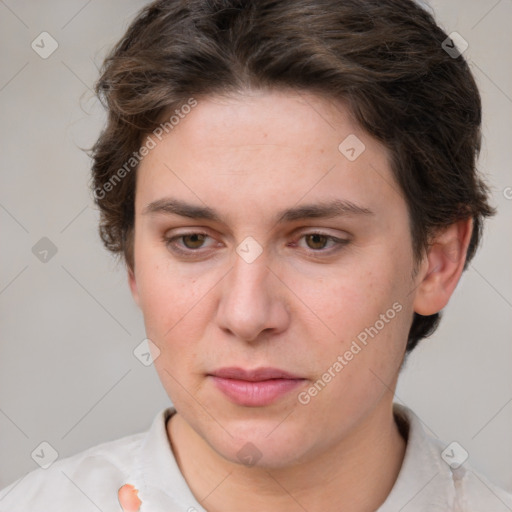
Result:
x=384 y=58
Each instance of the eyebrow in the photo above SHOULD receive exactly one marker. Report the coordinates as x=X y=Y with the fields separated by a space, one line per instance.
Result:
x=323 y=210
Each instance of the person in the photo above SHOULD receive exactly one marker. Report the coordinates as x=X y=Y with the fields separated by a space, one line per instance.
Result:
x=293 y=188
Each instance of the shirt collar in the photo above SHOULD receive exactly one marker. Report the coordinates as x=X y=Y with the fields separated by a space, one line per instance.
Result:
x=156 y=473
x=424 y=483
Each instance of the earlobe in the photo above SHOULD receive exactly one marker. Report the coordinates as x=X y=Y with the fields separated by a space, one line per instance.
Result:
x=443 y=267
x=133 y=285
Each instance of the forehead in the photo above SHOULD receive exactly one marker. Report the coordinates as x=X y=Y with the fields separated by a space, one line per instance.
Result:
x=260 y=120
x=267 y=149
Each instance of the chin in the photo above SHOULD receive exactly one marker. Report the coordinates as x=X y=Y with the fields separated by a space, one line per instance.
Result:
x=264 y=443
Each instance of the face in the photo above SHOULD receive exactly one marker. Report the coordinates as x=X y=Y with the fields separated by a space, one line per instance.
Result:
x=273 y=267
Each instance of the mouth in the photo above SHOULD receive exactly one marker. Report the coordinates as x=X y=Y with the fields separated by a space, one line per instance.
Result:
x=254 y=388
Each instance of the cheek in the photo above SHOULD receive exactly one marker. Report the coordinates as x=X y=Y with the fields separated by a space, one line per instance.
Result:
x=168 y=301
x=347 y=299
x=366 y=309
x=176 y=305
x=175 y=318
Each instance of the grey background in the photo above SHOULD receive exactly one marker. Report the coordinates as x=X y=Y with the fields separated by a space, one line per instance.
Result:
x=68 y=375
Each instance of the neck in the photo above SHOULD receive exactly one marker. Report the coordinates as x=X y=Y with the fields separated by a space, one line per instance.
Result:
x=356 y=475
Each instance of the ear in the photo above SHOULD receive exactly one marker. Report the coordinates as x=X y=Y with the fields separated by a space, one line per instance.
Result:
x=133 y=286
x=442 y=267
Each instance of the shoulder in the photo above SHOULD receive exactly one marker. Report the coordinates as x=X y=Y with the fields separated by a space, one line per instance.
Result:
x=439 y=475
x=475 y=492
x=82 y=482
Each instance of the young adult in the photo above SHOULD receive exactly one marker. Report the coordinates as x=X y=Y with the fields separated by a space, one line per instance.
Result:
x=293 y=188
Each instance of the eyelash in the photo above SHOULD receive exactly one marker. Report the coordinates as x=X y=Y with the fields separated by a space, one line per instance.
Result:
x=170 y=243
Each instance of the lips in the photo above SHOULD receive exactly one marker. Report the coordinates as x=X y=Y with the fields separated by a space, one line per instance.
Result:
x=258 y=374
x=254 y=388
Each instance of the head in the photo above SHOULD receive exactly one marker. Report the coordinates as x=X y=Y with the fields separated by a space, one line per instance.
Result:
x=232 y=125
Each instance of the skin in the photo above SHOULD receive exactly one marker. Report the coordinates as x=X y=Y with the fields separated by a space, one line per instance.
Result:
x=128 y=498
x=297 y=306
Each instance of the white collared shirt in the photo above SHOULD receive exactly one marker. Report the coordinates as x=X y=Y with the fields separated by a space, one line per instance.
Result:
x=89 y=481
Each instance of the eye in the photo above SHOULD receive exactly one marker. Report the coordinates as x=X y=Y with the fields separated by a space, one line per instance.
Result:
x=186 y=242
x=316 y=240
x=193 y=240
x=321 y=242
x=192 y=243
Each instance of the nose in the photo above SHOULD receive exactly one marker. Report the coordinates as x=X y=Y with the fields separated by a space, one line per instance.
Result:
x=253 y=302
